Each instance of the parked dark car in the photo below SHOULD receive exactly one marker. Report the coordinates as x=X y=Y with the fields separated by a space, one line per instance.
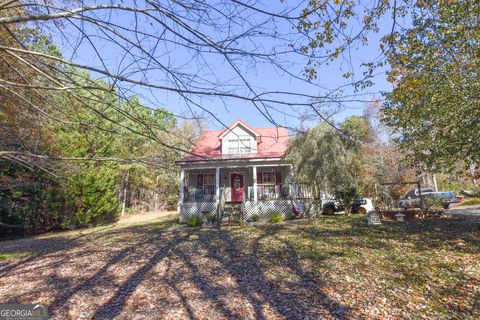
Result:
x=360 y=206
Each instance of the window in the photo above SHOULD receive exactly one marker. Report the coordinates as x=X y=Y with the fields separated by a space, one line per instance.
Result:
x=209 y=179
x=205 y=187
x=242 y=145
x=205 y=180
x=245 y=146
x=268 y=177
x=233 y=146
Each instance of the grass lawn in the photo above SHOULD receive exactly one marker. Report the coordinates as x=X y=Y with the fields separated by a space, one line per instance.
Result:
x=333 y=268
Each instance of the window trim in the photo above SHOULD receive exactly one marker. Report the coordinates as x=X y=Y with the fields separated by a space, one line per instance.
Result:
x=267 y=173
x=213 y=180
x=240 y=145
x=277 y=177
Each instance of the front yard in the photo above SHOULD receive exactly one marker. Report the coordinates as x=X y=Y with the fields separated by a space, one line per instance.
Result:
x=333 y=268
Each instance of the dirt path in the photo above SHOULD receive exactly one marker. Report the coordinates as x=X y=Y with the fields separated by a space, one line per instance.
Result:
x=150 y=217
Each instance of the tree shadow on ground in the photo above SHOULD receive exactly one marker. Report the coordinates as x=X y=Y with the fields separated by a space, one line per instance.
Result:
x=33 y=249
x=115 y=304
x=252 y=285
x=303 y=298
x=203 y=259
x=459 y=233
x=125 y=245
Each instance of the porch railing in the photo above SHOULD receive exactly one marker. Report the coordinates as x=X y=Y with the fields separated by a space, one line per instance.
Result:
x=283 y=192
x=268 y=192
x=265 y=192
x=200 y=194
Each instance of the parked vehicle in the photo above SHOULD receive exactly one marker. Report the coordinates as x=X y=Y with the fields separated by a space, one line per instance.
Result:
x=361 y=206
x=413 y=199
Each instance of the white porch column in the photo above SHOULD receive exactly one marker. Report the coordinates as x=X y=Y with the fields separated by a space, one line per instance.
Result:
x=291 y=183
x=182 y=186
x=217 y=185
x=254 y=173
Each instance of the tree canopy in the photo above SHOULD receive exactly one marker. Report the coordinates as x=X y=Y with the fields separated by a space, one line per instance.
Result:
x=429 y=51
x=64 y=158
x=435 y=106
x=330 y=157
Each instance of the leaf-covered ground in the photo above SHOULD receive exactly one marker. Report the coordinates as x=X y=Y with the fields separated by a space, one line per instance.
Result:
x=333 y=268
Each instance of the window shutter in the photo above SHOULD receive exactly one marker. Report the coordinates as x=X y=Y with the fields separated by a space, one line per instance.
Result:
x=199 y=180
x=259 y=177
x=278 y=177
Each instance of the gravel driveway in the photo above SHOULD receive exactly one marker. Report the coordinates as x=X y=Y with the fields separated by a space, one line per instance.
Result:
x=473 y=211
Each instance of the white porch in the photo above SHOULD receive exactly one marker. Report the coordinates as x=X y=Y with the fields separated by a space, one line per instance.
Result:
x=261 y=188
x=247 y=183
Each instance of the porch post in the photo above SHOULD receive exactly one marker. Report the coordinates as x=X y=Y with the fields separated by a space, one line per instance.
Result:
x=217 y=185
x=255 y=194
x=182 y=187
x=291 y=183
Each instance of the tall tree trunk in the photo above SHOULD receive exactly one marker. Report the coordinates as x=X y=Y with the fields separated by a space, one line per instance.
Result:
x=156 y=194
x=125 y=191
x=435 y=185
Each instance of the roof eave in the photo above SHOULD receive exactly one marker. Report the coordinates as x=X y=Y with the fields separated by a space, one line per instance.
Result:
x=233 y=125
x=259 y=159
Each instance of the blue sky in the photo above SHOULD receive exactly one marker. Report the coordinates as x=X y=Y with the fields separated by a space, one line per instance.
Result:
x=262 y=77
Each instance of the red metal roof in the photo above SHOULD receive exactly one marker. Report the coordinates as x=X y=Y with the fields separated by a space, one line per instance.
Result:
x=271 y=143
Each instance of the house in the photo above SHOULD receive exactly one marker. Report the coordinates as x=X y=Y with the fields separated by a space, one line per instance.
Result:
x=238 y=167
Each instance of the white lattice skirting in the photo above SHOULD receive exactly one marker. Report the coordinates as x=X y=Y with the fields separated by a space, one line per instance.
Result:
x=262 y=208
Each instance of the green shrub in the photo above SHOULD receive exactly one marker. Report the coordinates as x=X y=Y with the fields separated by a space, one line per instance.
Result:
x=255 y=218
x=430 y=202
x=94 y=193
x=347 y=196
x=194 y=221
x=471 y=201
x=290 y=216
x=212 y=217
x=275 y=217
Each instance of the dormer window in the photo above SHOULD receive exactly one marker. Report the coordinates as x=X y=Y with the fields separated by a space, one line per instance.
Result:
x=241 y=145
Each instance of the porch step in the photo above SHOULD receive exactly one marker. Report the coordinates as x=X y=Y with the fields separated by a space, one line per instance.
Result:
x=232 y=212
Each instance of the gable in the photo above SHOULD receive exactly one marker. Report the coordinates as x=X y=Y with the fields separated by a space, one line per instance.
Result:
x=240 y=127
x=239 y=140
x=238 y=130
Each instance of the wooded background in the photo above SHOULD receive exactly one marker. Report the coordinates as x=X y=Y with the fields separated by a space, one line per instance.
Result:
x=72 y=128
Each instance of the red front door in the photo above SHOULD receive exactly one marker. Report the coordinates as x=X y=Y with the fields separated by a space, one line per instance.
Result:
x=236 y=184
